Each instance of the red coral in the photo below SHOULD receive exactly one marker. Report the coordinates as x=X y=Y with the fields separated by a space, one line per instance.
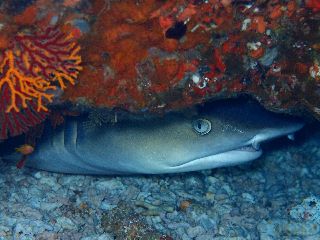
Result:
x=313 y=4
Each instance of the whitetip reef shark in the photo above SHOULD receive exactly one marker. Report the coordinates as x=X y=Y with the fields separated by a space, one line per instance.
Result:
x=222 y=133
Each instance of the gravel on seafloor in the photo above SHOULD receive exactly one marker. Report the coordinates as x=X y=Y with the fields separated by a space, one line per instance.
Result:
x=276 y=197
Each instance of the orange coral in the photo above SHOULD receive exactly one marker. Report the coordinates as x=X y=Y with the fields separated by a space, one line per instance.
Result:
x=33 y=65
x=28 y=17
x=259 y=24
x=22 y=86
x=70 y=3
x=4 y=41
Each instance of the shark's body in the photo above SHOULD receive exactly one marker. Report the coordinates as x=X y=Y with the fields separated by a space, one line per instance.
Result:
x=162 y=145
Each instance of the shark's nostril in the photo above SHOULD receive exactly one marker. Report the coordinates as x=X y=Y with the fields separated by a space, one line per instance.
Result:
x=291 y=136
x=256 y=145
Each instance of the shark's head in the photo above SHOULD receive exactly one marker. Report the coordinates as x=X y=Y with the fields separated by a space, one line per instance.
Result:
x=222 y=133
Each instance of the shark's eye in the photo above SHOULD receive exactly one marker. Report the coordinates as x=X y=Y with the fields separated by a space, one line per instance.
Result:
x=201 y=126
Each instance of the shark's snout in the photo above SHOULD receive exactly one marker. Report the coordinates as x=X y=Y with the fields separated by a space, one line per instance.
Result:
x=288 y=129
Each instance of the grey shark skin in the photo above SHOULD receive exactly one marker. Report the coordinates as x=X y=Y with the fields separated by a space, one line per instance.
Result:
x=169 y=144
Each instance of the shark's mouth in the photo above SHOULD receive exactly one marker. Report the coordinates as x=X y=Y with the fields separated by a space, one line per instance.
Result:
x=223 y=159
x=254 y=144
x=242 y=153
x=250 y=148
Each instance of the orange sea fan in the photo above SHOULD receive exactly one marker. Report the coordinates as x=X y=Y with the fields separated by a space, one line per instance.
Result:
x=51 y=55
x=22 y=86
x=30 y=71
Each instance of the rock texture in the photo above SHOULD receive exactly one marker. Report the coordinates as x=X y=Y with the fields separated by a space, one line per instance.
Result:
x=157 y=56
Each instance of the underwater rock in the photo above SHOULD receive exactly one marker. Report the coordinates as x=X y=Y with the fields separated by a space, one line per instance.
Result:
x=278 y=228
x=204 y=50
x=308 y=210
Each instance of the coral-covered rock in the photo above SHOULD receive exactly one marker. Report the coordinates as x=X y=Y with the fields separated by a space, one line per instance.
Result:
x=164 y=55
